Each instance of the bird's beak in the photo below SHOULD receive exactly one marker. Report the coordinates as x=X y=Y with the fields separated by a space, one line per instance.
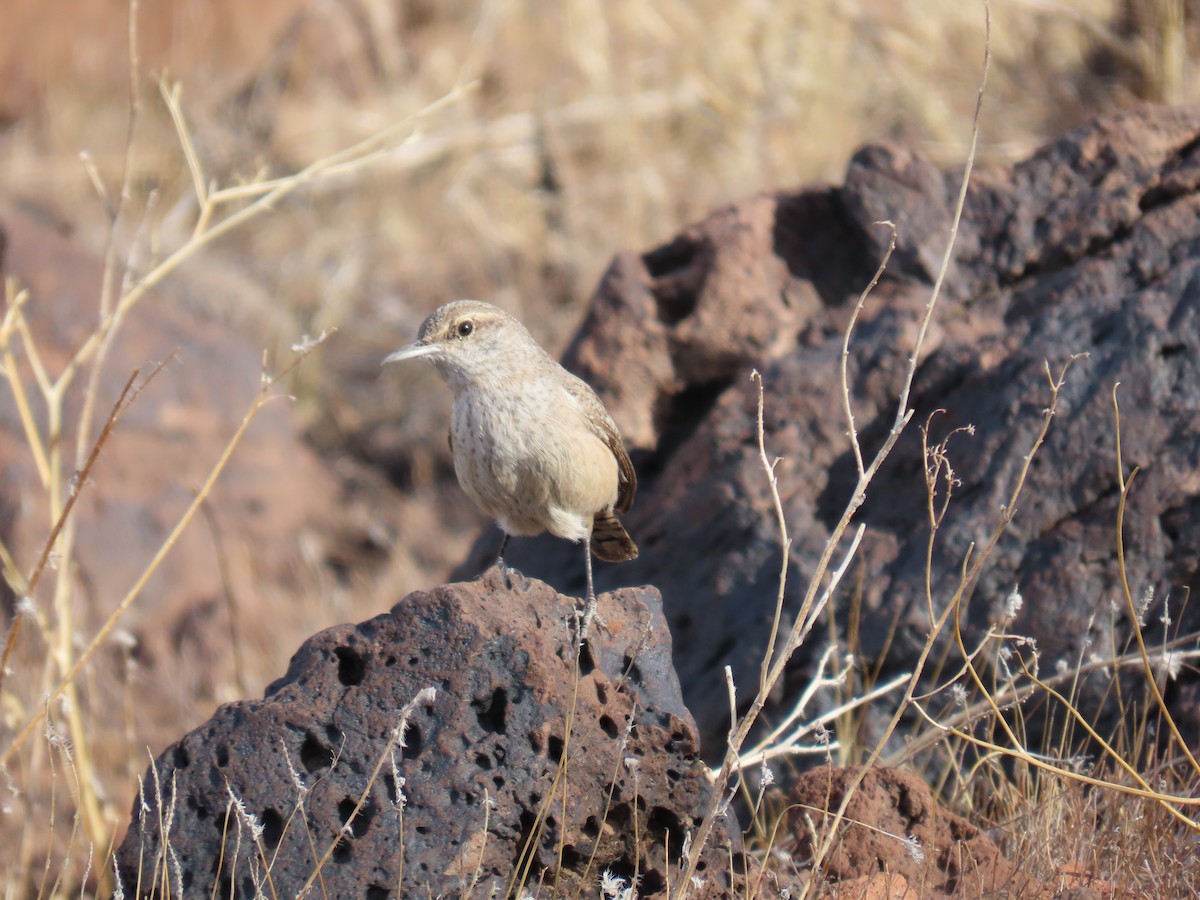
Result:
x=411 y=351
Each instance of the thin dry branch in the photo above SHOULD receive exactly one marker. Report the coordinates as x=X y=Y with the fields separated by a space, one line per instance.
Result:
x=807 y=614
x=1016 y=694
x=1015 y=746
x=351 y=158
x=858 y=307
x=263 y=397
x=903 y=415
x=14 y=322
x=1137 y=632
x=81 y=479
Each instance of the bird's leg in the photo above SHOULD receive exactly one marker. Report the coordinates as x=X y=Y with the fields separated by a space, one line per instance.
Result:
x=590 y=607
x=589 y=612
x=501 y=564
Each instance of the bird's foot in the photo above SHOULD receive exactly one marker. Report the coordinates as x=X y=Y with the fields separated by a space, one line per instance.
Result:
x=591 y=616
x=505 y=571
x=502 y=574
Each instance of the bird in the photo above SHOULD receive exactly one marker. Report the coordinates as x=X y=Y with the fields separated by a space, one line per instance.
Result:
x=533 y=445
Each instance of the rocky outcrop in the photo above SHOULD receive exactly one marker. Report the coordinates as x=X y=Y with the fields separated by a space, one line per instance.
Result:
x=893 y=825
x=522 y=766
x=1089 y=246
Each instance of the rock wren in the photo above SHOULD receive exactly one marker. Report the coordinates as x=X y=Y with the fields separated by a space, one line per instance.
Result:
x=533 y=445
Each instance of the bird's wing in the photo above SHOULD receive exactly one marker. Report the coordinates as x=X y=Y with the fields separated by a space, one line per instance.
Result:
x=606 y=429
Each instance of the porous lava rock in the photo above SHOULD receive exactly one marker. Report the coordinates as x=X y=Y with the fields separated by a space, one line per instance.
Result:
x=1089 y=246
x=525 y=766
x=894 y=826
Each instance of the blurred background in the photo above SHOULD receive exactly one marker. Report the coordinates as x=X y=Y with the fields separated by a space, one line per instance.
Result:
x=590 y=127
x=594 y=126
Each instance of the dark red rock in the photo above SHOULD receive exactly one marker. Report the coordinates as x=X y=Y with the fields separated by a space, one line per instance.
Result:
x=892 y=824
x=481 y=769
x=667 y=327
x=1089 y=246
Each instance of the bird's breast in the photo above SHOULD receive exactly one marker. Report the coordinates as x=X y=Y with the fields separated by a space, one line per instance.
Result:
x=528 y=447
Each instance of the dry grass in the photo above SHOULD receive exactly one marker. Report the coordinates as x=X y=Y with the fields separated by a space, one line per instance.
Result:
x=597 y=126
x=581 y=128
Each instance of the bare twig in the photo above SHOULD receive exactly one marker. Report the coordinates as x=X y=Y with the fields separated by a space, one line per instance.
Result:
x=858 y=307
x=81 y=479
x=262 y=399
x=1137 y=631
x=903 y=415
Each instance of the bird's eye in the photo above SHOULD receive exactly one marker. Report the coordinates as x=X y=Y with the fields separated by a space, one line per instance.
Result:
x=465 y=328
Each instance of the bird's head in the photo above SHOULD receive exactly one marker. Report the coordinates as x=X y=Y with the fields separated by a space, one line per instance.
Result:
x=468 y=340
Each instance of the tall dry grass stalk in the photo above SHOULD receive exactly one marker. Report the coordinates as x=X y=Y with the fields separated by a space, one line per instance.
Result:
x=47 y=586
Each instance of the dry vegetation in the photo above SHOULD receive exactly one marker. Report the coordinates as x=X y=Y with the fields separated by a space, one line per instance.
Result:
x=592 y=127
x=506 y=150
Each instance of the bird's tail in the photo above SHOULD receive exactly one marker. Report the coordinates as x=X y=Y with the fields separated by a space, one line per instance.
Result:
x=610 y=541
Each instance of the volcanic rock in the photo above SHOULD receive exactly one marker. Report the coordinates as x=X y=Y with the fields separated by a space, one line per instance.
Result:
x=893 y=825
x=1087 y=247
x=523 y=765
